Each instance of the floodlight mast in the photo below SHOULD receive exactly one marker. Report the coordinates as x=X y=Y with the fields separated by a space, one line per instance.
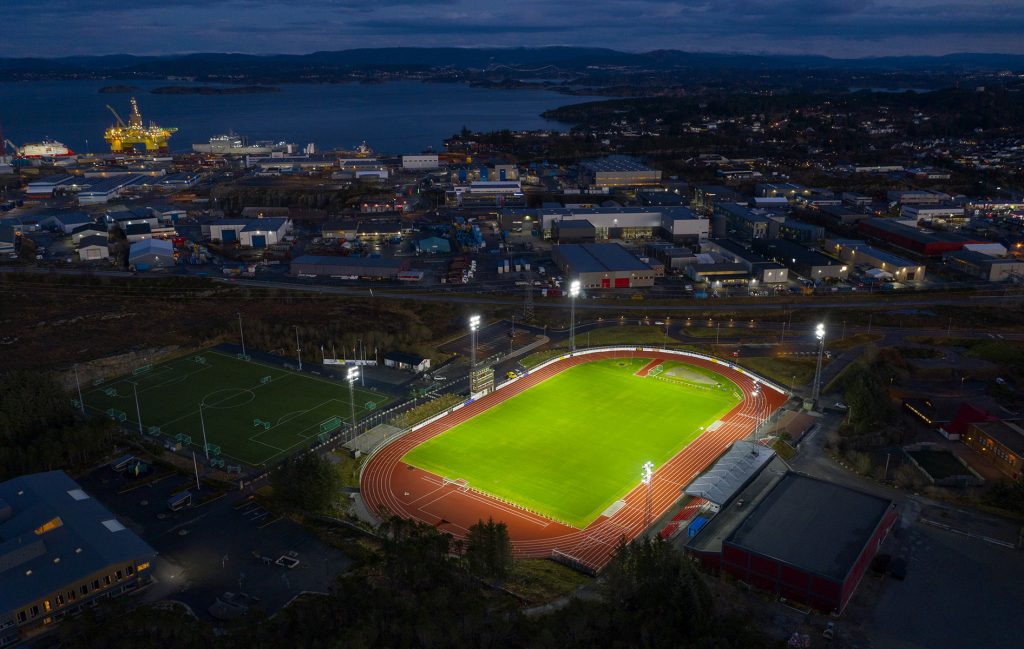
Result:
x=819 y=333
x=648 y=480
x=352 y=376
x=574 y=291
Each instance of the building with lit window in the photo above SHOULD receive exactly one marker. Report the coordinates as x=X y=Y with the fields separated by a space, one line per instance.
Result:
x=619 y=171
x=1001 y=441
x=602 y=265
x=60 y=551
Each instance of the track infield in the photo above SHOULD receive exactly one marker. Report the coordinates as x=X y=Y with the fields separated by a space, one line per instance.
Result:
x=572 y=446
x=257 y=413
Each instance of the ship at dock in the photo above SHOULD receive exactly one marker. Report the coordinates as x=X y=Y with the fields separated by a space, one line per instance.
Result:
x=232 y=144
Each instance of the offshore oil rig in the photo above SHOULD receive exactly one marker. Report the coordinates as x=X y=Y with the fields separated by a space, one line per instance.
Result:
x=123 y=138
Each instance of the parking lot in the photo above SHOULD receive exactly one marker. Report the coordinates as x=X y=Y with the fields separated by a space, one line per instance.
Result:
x=229 y=545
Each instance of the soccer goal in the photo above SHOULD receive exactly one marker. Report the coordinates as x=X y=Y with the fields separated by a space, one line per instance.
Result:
x=460 y=483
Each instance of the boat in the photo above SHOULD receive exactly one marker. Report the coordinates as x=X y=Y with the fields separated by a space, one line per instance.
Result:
x=232 y=144
x=45 y=149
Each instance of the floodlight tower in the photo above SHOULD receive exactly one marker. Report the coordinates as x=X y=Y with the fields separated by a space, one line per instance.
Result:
x=241 y=332
x=755 y=393
x=298 y=350
x=352 y=376
x=648 y=479
x=574 y=291
x=819 y=333
x=474 y=324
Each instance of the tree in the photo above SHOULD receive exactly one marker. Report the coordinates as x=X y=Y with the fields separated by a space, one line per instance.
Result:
x=308 y=481
x=489 y=549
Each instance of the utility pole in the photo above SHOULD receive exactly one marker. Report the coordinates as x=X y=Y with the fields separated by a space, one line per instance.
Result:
x=241 y=333
x=202 y=425
x=78 y=384
x=298 y=350
x=138 y=411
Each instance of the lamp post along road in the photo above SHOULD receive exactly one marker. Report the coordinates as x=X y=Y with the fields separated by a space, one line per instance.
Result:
x=819 y=333
x=574 y=291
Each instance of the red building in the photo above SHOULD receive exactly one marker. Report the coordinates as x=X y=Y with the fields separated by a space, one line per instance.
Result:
x=801 y=538
x=925 y=244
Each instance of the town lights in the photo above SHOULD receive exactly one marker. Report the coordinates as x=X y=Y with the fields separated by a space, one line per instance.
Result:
x=574 y=291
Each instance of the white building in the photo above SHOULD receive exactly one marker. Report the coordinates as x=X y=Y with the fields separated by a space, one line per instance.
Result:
x=420 y=162
x=260 y=233
x=93 y=248
x=943 y=213
x=150 y=254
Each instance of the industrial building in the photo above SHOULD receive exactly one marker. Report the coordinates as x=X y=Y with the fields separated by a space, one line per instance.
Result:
x=744 y=224
x=138 y=232
x=674 y=257
x=619 y=171
x=1000 y=441
x=801 y=232
x=678 y=224
x=93 y=248
x=260 y=233
x=151 y=254
x=926 y=244
x=858 y=253
x=48 y=185
x=60 y=552
x=573 y=231
x=423 y=161
x=984 y=267
x=807 y=540
x=706 y=197
x=760 y=269
x=602 y=265
x=408 y=362
x=66 y=222
x=807 y=263
x=348 y=267
x=941 y=214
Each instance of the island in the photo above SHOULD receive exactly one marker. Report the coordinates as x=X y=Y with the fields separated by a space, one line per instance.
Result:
x=213 y=90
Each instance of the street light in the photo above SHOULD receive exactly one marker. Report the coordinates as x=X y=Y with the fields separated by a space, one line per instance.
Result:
x=352 y=376
x=819 y=333
x=574 y=291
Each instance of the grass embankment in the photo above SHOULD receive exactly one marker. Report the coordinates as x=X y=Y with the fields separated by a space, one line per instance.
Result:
x=540 y=580
x=855 y=340
x=782 y=370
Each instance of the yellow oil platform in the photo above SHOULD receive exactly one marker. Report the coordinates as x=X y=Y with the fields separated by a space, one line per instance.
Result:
x=123 y=138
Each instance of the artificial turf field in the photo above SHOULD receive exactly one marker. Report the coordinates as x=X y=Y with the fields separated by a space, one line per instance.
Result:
x=573 y=445
x=234 y=393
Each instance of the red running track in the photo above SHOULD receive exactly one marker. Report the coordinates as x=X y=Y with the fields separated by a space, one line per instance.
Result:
x=392 y=486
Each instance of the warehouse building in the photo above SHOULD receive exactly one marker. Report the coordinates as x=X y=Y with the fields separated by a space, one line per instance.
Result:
x=926 y=244
x=706 y=197
x=60 y=552
x=422 y=161
x=408 y=362
x=858 y=253
x=619 y=171
x=65 y=223
x=151 y=254
x=807 y=263
x=348 y=267
x=984 y=267
x=88 y=230
x=573 y=231
x=801 y=232
x=48 y=185
x=95 y=192
x=761 y=269
x=678 y=224
x=260 y=233
x=807 y=540
x=945 y=214
x=93 y=248
x=602 y=265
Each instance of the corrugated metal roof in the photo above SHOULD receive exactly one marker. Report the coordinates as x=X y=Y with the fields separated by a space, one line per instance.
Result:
x=731 y=472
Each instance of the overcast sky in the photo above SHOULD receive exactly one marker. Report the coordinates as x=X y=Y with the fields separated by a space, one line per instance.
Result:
x=838 y=28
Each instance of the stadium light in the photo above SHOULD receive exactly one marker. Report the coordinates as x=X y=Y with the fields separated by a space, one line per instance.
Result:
x=352 y=375
x=474 y=324
x=648 y=478
x=241 y=332
x=648 y=472
x=298 y=350
x=819 y=333
x=574 y=291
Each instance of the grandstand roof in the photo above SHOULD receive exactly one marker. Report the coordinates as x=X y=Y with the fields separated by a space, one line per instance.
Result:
x=731 y=472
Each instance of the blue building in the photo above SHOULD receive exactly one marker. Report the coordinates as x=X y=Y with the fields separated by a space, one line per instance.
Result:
x=60 y=550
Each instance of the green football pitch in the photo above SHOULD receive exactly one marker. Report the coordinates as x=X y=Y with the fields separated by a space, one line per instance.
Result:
x=572 y=446
x=256 y=413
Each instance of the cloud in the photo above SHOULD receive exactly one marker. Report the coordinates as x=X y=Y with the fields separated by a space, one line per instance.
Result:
x=831 y=27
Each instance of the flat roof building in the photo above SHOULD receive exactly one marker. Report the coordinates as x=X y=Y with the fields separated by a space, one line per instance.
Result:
x=927 y=244
x=805 y=539
x=60 y=550
x=619 y=171
x=858 y=253
x=810 y=264
x=602 y=265
x=982 y=266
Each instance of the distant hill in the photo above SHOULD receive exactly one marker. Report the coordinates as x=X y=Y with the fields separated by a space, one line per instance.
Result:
x=562 y=58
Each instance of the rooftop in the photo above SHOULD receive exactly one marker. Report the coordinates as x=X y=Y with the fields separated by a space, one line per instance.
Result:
x=267 y=224
x=52 y=533
x=1009 y=435
x=350 y=262
x=599 y=258
x=814 y=525
x=614 y=164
